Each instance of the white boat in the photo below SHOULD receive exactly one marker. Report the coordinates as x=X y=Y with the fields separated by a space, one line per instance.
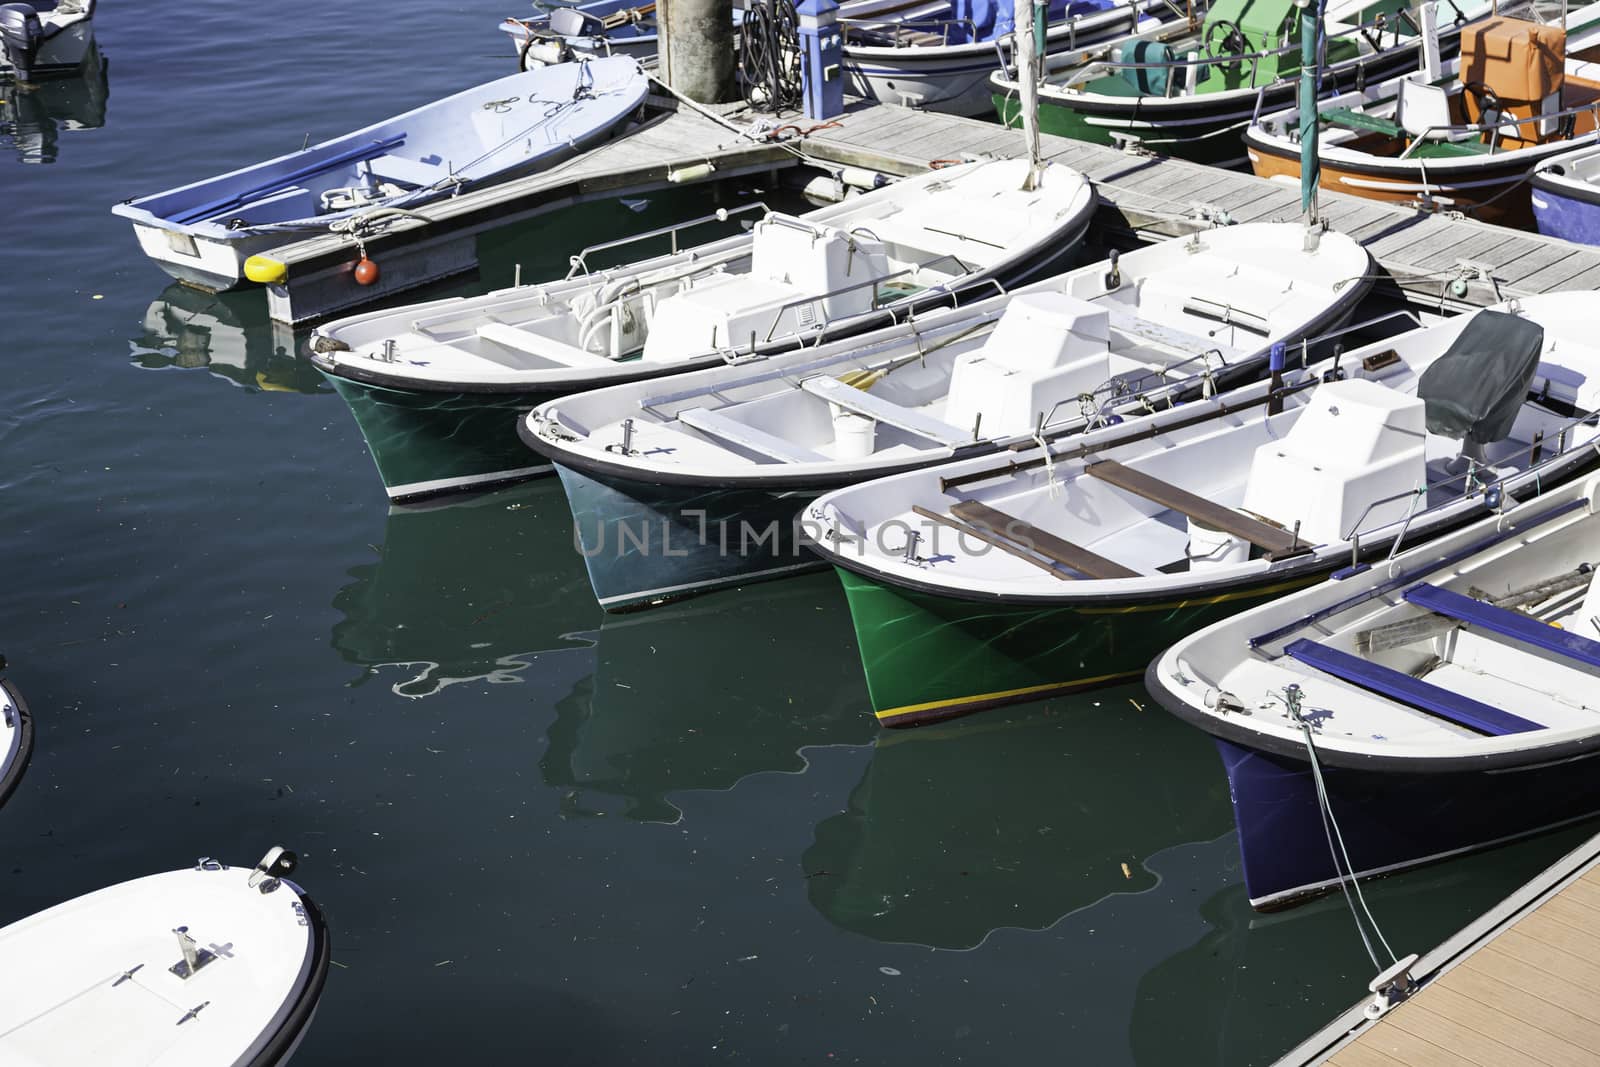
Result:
x=1448 y=699
x=944 y=63
x=205 y=232
x=45 y=38
x=987 y=581
x=743 y=446
x=212 y=965
x=436 y=387
x=16 y=738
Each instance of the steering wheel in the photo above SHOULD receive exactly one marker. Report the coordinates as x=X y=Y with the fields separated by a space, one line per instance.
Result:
x=1487 y=101
x=1224 y=38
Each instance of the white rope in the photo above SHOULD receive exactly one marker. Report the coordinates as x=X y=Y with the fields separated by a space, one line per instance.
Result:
x=1335 y=838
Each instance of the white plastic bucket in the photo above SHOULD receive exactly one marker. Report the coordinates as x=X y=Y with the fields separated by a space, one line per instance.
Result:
x=1214 y=548
x=855 y=436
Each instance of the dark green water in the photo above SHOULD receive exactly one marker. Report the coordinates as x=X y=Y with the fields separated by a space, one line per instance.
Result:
x=675 y=837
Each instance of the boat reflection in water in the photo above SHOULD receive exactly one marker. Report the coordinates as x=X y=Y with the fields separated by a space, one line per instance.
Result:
x=33 y=118
x=703 y=694
x=474 y=592
x=1014 y=819
x=228 y=334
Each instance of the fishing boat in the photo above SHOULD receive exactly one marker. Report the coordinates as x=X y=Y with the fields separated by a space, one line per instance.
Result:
x=33 y=118
x=208 y=965
x=1565 y=195
x=46 y=38
x=988 y=581
x=437 y=387
x=16 y=738
x=699 y=484
x=1439 y=702
x=561 y=33
x=205 y=233
x=943 y=61
x=931 y=54
x=1190 y=94
x=1521 y=93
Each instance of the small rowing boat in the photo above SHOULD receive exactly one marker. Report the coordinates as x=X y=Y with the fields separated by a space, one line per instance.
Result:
x=206 y=232
x=679 y=489
x=988 y=581
x=211 y=966
x=1442 y=701
x=437 y=388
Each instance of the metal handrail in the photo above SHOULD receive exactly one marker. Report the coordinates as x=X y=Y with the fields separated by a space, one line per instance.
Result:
x=1495 y=127
x=720 y=215
x=865 y=27
x=777 y=316
x=1562 y=448
x=1125 y=392
x=1095 y=69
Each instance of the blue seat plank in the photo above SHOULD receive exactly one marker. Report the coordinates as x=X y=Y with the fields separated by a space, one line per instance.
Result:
x=1504 y=622
x=1424 y=696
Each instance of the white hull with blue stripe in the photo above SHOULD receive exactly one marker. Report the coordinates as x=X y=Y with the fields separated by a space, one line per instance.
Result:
x=1449 y=698
x=204 y=232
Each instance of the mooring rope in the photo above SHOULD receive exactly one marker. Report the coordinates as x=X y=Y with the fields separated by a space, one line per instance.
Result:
x=1335 y=838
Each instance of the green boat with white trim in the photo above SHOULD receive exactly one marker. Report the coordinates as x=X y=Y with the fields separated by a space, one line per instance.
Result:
x=1191 y=92
x=989 y=581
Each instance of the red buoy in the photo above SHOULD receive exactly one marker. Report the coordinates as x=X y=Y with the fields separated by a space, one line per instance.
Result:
x=366 y=272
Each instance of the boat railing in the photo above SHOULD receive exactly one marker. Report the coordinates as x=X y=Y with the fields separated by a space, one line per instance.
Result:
x=1161 y=383
x=1005 y=45
x=1480 y=478
x=877 y=32
x=1449 y=132
x=579 y=262
x=1194 y=61
x=962 y=268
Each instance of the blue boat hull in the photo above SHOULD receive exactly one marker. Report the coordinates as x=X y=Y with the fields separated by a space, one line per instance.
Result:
x=646 y=544
x=1567 y=217
x=1388 y=820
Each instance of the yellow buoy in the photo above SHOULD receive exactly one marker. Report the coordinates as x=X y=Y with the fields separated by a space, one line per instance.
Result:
x=265 y=270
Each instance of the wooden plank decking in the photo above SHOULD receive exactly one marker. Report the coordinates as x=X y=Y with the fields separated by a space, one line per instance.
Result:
x=1520 y=986
x=1145 y=194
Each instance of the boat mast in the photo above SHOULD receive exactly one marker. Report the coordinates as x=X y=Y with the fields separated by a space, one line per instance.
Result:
x=1027 y=38
x=1311 y=12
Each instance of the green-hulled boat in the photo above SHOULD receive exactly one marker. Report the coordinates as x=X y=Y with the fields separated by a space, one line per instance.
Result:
x=1190 y=92
x=987 y=581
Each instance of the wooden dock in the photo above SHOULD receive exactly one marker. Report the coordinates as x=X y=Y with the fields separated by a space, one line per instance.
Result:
x=1150 y=196
x=1520 y=986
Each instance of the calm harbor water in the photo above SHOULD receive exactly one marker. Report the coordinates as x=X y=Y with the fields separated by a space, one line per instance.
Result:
x=673 y=837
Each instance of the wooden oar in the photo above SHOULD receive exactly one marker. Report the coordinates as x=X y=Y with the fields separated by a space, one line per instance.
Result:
x=632 y=14
x=350 y=155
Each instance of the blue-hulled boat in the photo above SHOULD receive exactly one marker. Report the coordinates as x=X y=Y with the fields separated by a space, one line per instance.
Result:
x=204 y=233
x=1447 y=696
x=1566 y=195
x=16 y=738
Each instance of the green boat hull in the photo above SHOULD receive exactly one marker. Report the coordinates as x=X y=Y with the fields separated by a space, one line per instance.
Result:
x=1212 y=144
x=425 y=444
x=930 y=657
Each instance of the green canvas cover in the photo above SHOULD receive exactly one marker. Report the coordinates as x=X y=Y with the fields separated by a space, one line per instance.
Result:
x=1476 y=388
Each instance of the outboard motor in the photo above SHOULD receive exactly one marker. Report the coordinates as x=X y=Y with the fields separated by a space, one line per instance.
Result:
x=20 y=35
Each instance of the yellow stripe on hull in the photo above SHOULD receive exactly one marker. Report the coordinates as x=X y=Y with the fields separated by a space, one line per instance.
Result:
x=933 y=710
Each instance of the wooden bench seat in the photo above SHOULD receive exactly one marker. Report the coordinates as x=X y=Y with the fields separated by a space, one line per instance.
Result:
x=863 y=403
x=1276 y=542
x=742 y=434
x=1505 y=622
x=1413 y=692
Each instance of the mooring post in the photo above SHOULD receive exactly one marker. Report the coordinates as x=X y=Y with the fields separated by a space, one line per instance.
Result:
x=822 y=51
x=696 y=48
